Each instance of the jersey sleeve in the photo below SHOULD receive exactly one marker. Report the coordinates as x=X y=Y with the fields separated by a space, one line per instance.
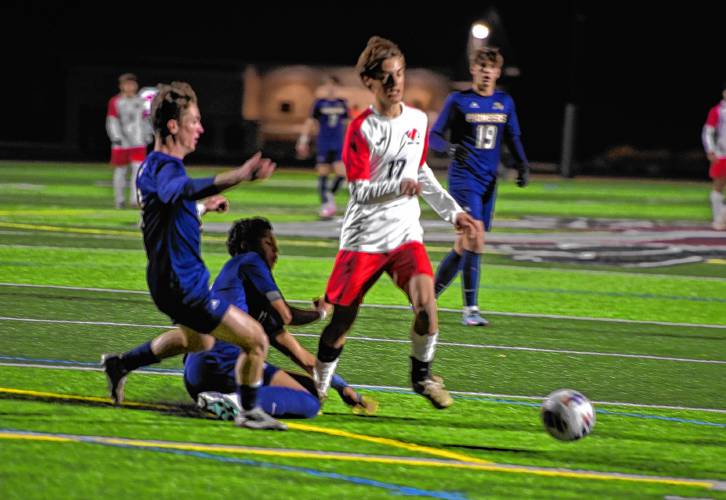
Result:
x=436 y=196
x=513 y=139
x=316 y=110
x=259 y=275
x=174 y=184
x=708 y=134
x=113 y=125
x=437 y=136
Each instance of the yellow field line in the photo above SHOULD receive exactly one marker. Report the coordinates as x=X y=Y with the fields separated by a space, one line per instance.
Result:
x=282 y=453
x=393 y=443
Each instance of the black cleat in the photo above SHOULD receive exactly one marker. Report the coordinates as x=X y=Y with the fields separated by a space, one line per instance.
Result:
x=115 y=375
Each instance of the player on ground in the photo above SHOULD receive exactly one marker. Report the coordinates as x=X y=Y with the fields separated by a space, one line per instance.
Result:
x=246 y=281
x=385 y=158
x=330 y=113
x=129 y=133
x=714 y=142
x=476 y=121
x=176 y=275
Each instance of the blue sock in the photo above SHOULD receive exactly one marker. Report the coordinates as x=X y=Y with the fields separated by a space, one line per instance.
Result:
x=323 y=188
x=138 y=357
x=337 y=183
x=249 y=395
x=287 y=402
x=470 y=277
x=338 y=383
x=446 y=272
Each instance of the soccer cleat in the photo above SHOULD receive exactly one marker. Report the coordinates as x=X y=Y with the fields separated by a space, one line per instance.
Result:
x=471 y=317
x=358 y=404
x=432 y=388
x=115 y=375
x=257 y=419
x=327 y=210
x=720 y=223
x=224 y=406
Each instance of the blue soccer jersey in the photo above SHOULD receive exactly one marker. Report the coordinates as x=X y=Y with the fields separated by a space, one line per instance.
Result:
x=246 y=281
x=480 y=123
x=330 y=114
x=171 y=228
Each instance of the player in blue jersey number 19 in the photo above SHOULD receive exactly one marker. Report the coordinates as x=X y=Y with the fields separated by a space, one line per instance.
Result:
x=471 y=128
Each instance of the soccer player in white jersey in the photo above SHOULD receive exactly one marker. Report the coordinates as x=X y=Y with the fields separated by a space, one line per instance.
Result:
x=129 y=132
x=384 y=152
x=714 y=143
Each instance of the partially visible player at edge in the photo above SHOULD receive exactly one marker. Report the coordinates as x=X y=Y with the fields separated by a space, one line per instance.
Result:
x=385 y=158
x=476 y=121
x=177 y=277
x=714 y=143
x=331 y=114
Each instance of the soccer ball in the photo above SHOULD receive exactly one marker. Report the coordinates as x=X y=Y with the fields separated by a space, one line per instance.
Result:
x=568 y=415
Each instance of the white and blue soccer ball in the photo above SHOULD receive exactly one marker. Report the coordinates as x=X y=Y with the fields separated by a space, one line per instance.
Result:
x=568 y=415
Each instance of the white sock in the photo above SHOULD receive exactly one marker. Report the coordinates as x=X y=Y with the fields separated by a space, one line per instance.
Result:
x=423 y=347
x=133 y=202
x=119 y=183
x=323 y=374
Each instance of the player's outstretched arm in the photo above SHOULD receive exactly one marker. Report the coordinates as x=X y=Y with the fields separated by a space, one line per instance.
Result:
x=256 y=168
x=436 y=196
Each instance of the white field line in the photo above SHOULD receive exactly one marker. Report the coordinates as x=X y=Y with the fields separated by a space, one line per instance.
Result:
x=398 y=307
x=391 y=388
x=401 y=341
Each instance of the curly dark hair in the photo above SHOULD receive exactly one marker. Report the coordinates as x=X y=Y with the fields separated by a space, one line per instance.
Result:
x=245 y=235
x=169 y=104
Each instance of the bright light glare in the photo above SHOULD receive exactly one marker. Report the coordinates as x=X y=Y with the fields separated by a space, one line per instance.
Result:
x=480 y=31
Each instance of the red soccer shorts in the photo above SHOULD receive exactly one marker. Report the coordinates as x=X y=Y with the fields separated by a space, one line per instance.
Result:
x=120 y=157
x=355 y=272
x=718 y=168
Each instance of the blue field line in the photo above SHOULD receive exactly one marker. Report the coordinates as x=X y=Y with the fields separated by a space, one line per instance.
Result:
x=82 y=363
x=393 y=488
x=396 y=391
x=602 y=294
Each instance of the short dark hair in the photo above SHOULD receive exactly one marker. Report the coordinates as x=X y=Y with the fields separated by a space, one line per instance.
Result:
x=486 y=55
x=371 y=59
x=127 y=77
x=169 y=103
x=245 y=235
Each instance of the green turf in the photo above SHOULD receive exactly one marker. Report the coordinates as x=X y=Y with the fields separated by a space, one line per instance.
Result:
x=57 y=228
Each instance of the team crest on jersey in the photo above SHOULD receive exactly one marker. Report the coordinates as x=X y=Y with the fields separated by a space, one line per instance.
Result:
x=498 y=106
x=414 y=136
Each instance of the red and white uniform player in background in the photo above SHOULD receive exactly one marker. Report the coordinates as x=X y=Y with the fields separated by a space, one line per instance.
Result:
x=129 y=132
x=714 y=142
x=384 y=153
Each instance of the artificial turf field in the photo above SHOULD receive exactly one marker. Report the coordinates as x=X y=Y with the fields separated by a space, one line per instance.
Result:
x=648 y=346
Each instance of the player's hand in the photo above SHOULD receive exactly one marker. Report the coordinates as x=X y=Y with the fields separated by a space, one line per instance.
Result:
x=255 y=168
x=323 y=307
x=302 y=150
x=522 y=175
x=216 y=203
x=711 y=157
x=465 y=223
x=460 y=152
x=410 y=187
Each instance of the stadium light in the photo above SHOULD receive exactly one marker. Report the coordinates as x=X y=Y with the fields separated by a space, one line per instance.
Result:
x=479 y=30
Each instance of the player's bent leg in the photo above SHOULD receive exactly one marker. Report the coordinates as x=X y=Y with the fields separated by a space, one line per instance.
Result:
x=449 y=267
x=331 y=345
x=424 y=335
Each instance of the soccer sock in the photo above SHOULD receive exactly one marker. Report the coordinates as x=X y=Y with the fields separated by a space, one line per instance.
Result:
x=325 y=365
x=138 y=357
x=119 y=182
x=323 y=188
x=446 y=272
x=248 y=394
x=287 y=402
x=337 y=183
x=470 y=277
x=423 y=348
x=716 y=204
x=133 y=202
x=338 y=383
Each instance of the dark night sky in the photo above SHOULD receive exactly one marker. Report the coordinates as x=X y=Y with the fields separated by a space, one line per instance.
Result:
x=644 y=76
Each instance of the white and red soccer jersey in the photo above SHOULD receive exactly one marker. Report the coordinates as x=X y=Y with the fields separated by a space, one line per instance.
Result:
x=379 y=152
x=125 y=122
x=714 y=131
